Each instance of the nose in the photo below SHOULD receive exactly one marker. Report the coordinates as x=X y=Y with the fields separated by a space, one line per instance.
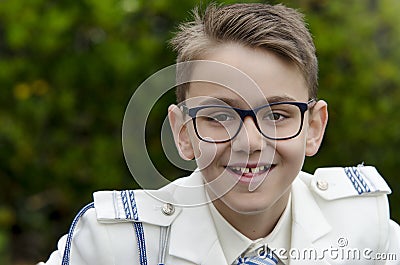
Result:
x=249 y=139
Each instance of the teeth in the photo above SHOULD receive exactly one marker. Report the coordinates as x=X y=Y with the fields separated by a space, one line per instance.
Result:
x=254 y=170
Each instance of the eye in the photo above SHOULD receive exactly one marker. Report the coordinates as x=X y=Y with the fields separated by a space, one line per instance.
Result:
x=274 y=116
x=220 y=117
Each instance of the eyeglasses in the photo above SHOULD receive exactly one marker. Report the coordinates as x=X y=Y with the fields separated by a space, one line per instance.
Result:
x=222 y=123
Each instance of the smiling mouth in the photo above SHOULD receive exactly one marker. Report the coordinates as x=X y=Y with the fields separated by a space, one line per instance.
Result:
x=250 y=170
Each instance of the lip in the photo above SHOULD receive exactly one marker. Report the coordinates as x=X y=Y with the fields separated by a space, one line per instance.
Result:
x=247 y=177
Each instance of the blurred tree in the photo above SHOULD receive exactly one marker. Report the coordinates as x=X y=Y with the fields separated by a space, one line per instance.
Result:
x=359 y=65
x=68 y=69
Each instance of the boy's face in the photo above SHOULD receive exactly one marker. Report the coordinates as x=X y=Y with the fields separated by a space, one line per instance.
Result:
x=224 y=166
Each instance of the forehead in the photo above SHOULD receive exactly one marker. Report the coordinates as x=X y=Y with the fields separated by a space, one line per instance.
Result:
x=245 y=75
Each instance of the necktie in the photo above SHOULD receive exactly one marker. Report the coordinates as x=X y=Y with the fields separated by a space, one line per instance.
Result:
x=262 y=258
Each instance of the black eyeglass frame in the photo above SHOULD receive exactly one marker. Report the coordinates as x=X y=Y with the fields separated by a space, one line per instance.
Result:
x=243 y=113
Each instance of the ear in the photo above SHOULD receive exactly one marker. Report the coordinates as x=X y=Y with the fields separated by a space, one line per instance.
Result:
x=318 y=119
x=180 y=132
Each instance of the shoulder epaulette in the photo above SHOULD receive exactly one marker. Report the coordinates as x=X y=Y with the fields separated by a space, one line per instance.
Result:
x=154 y=207
x=341 y=182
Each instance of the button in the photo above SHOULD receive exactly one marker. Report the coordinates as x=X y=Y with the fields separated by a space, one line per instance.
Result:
x=322 y=184
x=168 y=209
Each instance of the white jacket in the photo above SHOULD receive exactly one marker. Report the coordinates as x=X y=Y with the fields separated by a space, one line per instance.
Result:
x=340 y=214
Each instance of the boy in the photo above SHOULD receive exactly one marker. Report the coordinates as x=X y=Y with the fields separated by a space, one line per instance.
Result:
x=248 y=114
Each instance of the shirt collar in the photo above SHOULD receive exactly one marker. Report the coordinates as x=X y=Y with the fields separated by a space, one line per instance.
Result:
x=234 y=243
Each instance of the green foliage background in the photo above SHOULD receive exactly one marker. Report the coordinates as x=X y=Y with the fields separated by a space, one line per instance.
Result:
x=69 y=68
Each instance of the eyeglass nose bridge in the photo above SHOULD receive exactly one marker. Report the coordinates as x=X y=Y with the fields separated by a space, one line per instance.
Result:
x=247 y=113
x=243 y=113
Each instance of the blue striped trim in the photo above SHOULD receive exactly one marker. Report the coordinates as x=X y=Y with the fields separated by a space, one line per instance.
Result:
x=129 y=203
x=357 y=180
x=67 y=251
x=133 y=205
x=125 y=203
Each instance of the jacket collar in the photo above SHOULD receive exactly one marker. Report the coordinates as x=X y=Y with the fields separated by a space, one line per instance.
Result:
x=309 y=224
x=198 y=243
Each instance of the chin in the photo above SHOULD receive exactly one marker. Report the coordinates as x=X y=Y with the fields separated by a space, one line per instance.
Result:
x=247 y=204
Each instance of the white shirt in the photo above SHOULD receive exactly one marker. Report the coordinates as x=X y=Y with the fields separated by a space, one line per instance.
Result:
x=234 y=243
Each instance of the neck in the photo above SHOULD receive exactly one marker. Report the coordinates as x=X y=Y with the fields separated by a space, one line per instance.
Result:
x=254 y=225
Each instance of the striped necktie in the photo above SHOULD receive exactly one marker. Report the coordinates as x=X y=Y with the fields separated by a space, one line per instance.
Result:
x=262 y=258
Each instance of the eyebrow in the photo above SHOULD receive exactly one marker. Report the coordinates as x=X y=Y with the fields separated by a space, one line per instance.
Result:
x=280 y=99
x=236 y=103
x=219 y=101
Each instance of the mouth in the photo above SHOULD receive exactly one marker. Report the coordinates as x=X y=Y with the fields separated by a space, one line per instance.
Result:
x=250 y=172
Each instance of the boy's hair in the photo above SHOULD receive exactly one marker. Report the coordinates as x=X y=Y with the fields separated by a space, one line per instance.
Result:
x=272 y=27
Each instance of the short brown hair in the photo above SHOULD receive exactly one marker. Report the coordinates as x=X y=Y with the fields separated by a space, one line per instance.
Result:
x=273 y=27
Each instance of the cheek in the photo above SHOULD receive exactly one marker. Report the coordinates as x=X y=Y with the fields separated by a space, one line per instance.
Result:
x=206 y=154
x=292 y=152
